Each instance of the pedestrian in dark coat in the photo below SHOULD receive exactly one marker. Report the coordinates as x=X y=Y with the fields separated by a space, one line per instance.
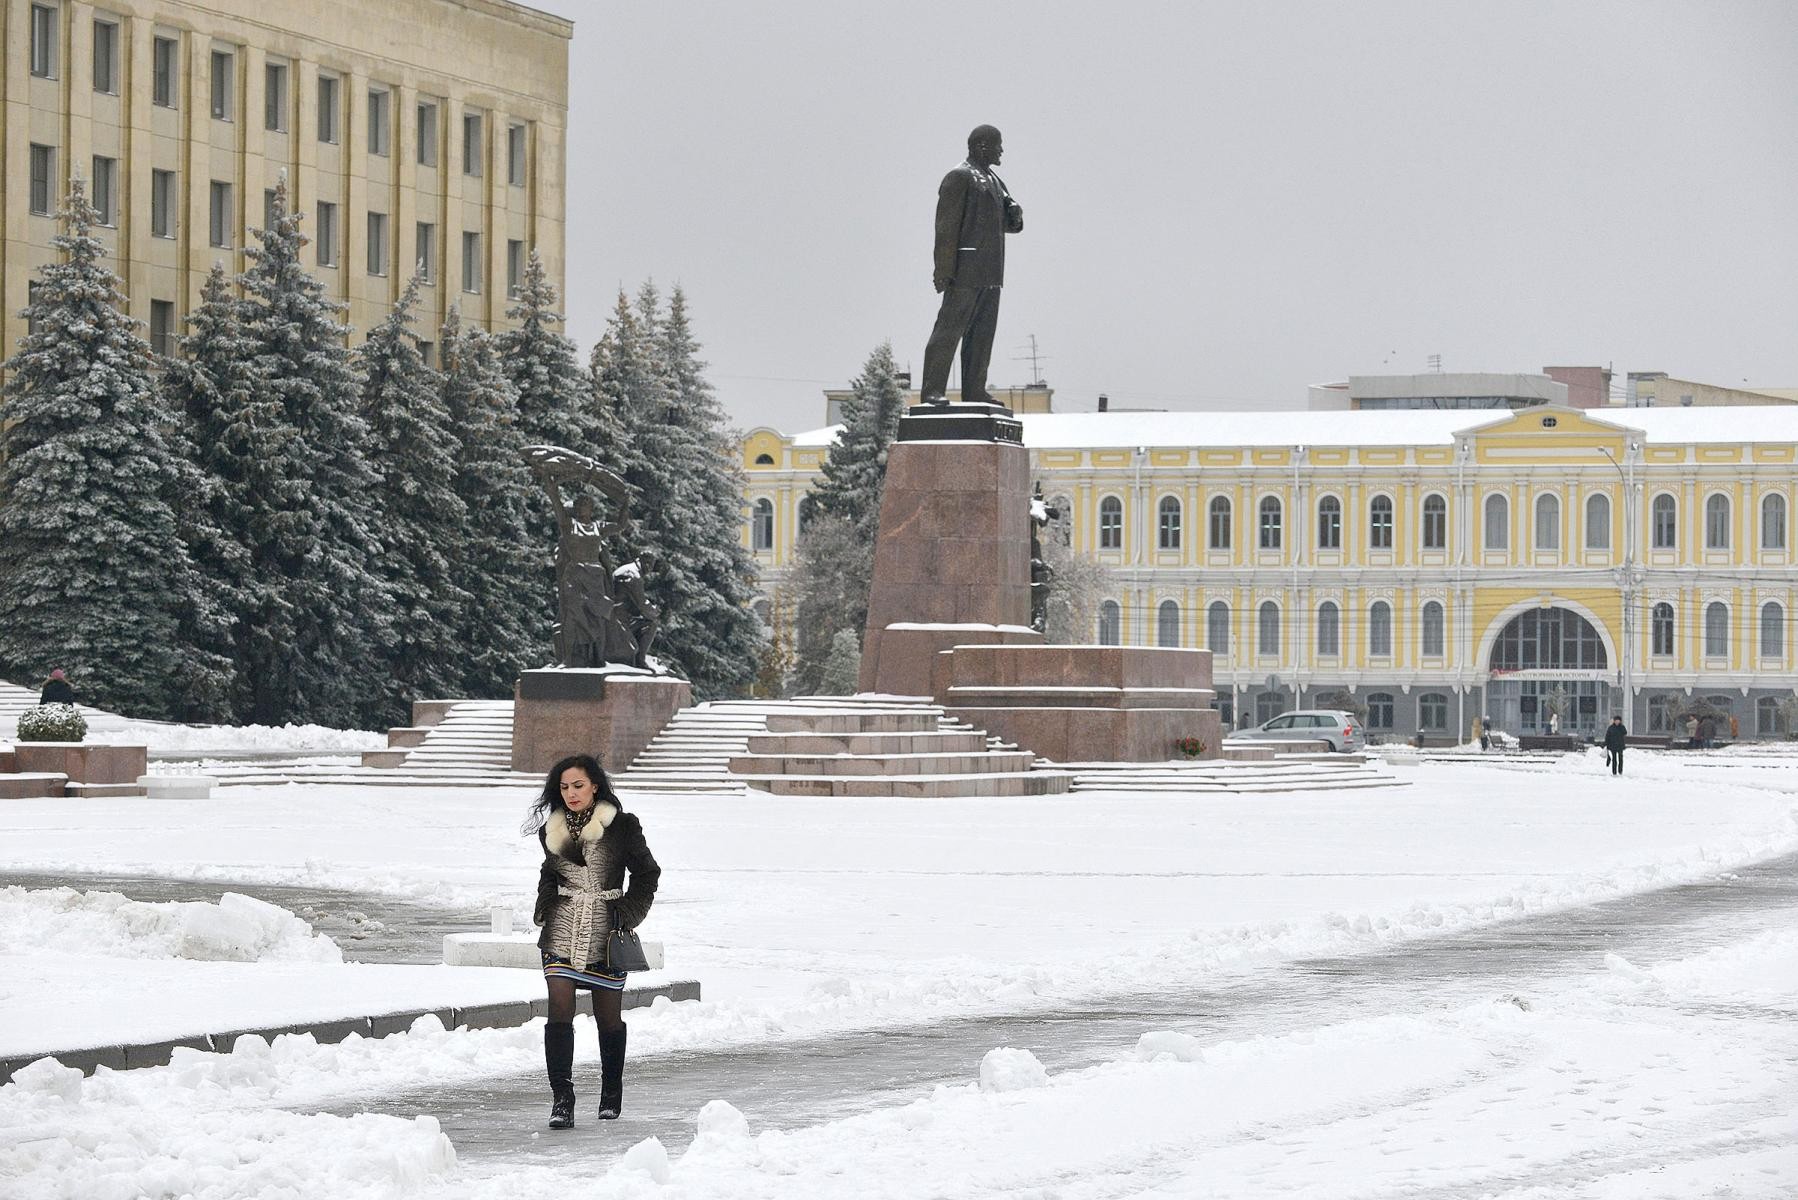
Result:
x=57 y=689
x=1616 y=737
x=589 y=845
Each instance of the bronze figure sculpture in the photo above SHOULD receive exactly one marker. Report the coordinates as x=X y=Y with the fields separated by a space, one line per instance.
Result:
x=603 y=615
x=974 y=212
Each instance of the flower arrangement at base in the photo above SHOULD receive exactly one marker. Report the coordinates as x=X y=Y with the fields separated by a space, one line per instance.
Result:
x=1191 y=747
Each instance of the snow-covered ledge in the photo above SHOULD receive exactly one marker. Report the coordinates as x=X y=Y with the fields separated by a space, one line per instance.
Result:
x=512 y=950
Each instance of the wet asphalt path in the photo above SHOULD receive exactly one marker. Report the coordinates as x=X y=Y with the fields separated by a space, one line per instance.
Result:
x=802 y=1083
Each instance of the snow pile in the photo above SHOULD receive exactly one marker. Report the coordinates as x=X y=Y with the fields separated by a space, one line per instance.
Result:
x=175 y=739
x=1005 y=1069
x=236 y=929
x=71 y=1138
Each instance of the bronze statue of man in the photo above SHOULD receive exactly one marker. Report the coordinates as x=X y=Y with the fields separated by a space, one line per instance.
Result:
x=974 y=212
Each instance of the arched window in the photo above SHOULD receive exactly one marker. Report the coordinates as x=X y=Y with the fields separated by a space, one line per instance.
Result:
x=1548 y=522
x=1435 y=523
x=1773 y=522
x=1329 y=630
x=1217 y=628
x=1498 y=522
x=1773 y=630
x=1716 y=522
x=1269 y=641
x=1548 y=638
x=1329 y=523
x=1379 y=629
x=1111 y=622
x=764 y=460
x=1379 y=523
x=1660 y=630
x=1270 y=523
x=1716 y=630
x=1379 y=710
x=1598 y=521
x=1111 y=523
x=761 y=525
x=1663 y=522
x=1432 y=629
x=1167 y=523
x=1220 y=523
x=808 y=508
x=1167 y=625
x=1432 y=712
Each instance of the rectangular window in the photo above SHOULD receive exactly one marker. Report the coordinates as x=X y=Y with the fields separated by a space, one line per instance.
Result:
x=327 y=234
x=327 y=109
x=163 y=60
x=218 y=219
x=162 y=327
x=221 y=85
x=515 y=146
x=106 y=57
x=43 y=176
x=268 y=208
x=424 y=251
x=514 y=267
x=380 y=135
x=31 y=321
x=43 y=41
x=162 y=204
x=427 y=133
x=377 y=243
x=471 y=262
x=471 y=144
x=428 y=352
x=106 y=189
x=274 y=97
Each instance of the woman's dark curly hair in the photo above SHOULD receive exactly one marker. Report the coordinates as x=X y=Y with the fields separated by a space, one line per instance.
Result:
x=551 y=799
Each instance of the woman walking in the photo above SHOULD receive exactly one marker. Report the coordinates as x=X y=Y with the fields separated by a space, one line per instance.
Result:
x=589 y=843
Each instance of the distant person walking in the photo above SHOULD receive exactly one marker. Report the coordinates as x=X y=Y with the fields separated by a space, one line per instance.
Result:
x=1616 y=737
x=589 y=843
x=57 y=689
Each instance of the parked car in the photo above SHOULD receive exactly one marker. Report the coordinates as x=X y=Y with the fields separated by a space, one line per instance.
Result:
x=1340 y=729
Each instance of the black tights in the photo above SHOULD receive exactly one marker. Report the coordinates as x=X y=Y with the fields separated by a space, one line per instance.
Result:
x=607 y=1005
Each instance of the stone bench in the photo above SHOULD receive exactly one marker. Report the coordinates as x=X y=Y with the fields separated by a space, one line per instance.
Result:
x=177 y=787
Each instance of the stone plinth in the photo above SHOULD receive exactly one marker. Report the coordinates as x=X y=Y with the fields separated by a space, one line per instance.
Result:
x=83 y=762
x=1085 y=703
x=953 y=549
x=609 y=713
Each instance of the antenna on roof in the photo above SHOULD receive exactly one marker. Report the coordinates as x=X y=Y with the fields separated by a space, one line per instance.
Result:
x=1036 y=358
x=1435 y=364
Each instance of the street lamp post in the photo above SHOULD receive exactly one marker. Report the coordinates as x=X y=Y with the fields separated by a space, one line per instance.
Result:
x=1627 y=581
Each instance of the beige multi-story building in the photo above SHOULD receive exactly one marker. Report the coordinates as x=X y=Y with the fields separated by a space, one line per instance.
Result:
x=409 y=131
x=1657 y=389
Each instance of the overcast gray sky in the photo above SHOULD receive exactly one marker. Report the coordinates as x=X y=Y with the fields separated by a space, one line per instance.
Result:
x=1223 y=202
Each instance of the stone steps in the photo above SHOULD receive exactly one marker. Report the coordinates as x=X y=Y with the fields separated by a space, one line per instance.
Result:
x=977 y=763
x=33 y=786
x=986 y=783
x=468 y=735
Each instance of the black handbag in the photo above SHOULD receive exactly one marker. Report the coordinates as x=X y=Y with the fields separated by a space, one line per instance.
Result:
x=624 y=950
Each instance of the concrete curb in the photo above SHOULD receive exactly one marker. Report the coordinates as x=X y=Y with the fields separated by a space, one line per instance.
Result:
x=475 y=1016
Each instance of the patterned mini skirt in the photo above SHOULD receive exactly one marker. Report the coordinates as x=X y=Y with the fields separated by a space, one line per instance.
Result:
x=594 y=975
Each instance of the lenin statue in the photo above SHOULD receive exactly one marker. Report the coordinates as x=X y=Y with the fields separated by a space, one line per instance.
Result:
x=974 y=212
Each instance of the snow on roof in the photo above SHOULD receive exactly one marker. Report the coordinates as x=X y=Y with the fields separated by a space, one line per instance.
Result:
x=1377 y=427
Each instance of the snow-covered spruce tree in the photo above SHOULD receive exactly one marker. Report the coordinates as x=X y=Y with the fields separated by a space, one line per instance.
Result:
x=544 y=367
x=94 y=577
x=843 y=666
x=711 y=627
x=504 y=624
x=234 y=437
x=836 y=547
x=831 y=570
x=414 y=452
x=316 y=648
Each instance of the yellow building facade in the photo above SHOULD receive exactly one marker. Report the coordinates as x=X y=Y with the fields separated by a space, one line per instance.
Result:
x=1437 y=565
x=407 y=131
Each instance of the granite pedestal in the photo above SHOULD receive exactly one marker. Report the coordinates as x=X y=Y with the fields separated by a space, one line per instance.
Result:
x=611 y=713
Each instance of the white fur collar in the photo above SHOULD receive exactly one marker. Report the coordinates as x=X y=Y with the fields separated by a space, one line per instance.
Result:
x=557 y=839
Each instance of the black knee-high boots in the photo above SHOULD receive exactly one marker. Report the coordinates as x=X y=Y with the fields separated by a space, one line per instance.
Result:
x=558 y=1060
x=611 y=1072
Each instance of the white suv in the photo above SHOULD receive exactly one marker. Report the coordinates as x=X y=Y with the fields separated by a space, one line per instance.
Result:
x=1340 y=729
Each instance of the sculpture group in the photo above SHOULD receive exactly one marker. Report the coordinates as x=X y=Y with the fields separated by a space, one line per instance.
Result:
x=603 y=615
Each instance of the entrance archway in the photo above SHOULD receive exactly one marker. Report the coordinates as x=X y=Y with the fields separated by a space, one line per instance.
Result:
x=1550 y=668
